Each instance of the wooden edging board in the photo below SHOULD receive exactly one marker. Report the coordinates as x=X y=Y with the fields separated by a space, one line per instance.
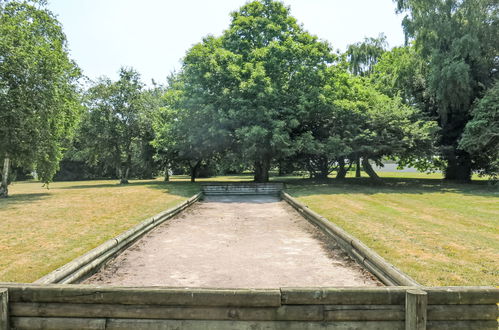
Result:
x=33 y=306
x=91 y=261
x=377 y=265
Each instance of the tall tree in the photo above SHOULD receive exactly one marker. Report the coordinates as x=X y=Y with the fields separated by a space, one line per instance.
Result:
x=363 y=56
x=481 y=134
x=258 y=80
x=458 y=40
x=39 y=102
x=114 y=121
x=186 y=127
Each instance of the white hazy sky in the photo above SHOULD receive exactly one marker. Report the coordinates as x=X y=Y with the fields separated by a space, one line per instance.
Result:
x=153 y=35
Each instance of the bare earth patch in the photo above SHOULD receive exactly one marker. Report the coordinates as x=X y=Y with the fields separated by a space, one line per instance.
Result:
x=234 y=242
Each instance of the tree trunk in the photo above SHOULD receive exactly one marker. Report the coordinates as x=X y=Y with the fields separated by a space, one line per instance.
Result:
x=357 y=168
x=262 y=167
x=124 y=179
x=324 y=169
x=4 y=186
x=167 y=173
x=126 y=172
x=342 y=171
x=124 y=175
x=194 y=170
x=368 y=169
x=458 y=166
x=281 y=170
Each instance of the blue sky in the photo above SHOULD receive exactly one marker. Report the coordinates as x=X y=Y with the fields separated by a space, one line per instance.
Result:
x=153 y=35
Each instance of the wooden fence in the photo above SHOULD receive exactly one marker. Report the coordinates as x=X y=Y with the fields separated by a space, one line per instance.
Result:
x=94 y=307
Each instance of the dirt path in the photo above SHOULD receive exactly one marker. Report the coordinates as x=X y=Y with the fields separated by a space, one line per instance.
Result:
x=234 y=242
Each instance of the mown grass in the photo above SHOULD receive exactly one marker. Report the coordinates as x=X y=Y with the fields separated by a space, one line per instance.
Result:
x=438 y=233
x=44 y=229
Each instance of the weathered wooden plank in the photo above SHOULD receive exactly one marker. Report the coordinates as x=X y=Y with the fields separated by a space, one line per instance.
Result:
x=4 y=309
x=415 y=310
x=364 y=313
x=462 y=325
x=344 y=296
x=119 y=324
x=242 y=188
x=39 y=323
x=85 y=294
x=462 y=312
x=462 y=295
x=283 y=313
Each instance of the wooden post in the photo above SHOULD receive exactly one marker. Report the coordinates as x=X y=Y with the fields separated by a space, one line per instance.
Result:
x=4 y=309
x=415 y=309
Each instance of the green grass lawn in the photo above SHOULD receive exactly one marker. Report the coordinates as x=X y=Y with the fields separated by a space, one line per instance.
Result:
x=42 y=230
x=438 y=233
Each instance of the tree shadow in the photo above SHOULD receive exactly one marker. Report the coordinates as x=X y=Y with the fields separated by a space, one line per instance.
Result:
x=307 y=187
x=179 y=188
x=21 y=198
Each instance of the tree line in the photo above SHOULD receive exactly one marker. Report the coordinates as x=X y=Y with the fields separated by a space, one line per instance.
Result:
x=264 y=95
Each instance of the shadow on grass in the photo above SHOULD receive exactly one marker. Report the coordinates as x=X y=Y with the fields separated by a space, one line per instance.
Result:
x=304 y=187
x=179 y=188
x=22 y=198
x=307 y=187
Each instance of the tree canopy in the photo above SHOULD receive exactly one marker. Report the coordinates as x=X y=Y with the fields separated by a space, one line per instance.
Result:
x=39 y=99
x=270 y=92
x=458 y=41
x=116 y=121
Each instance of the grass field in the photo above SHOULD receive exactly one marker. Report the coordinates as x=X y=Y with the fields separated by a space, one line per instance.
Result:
x=440 y=234
x=44 y=229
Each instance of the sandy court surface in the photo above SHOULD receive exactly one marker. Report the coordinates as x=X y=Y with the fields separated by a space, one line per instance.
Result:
x=234 y=242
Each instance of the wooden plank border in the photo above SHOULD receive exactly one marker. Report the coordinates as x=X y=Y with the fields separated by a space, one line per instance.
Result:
x=377 y=265
x=4 y=309
x=34 y=306
x=87 y=264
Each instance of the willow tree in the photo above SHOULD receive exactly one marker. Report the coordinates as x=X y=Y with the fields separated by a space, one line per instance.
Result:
x=363 y=56
x=39 y=102
x=458 y=41
x=481 y=135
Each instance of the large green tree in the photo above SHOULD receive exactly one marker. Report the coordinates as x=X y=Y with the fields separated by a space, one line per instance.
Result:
x=355 y=121
x=115 y=121
x=187 y=129
x=39 y=103
x=258 y=80
x=481 y=134
x=458 y=41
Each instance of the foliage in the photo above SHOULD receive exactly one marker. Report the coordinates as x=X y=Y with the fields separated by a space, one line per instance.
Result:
x=481 y=134
x=38 y=89
x=116 y=123
x=363 y=56
x=458 y=41
x=254 y=84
